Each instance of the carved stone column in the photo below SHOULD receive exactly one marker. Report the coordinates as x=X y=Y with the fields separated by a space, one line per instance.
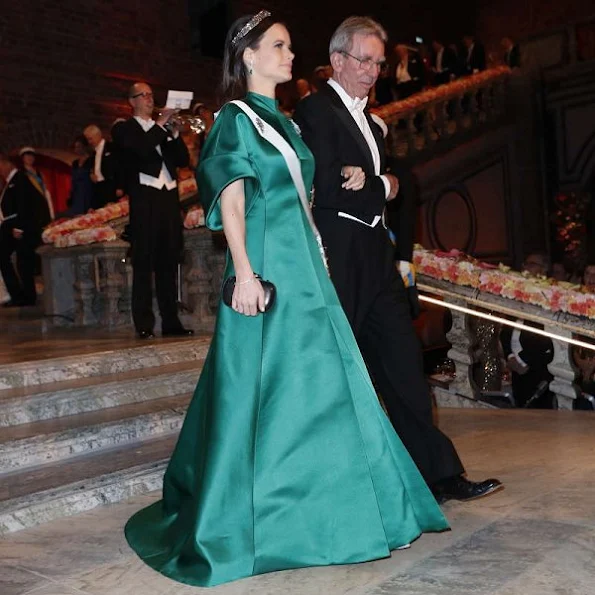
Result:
x=198 y=276
x=84 y=289
x=461 y=339
x=562 y=368
x=114 y=283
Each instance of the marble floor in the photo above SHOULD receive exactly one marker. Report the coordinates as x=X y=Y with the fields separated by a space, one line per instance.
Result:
x=535 y=537
x=27 y=335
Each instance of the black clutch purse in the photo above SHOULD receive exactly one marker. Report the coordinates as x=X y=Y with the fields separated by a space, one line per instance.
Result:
x=270 y=291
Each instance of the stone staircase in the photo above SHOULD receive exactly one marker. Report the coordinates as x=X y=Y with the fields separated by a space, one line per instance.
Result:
x=86 y=430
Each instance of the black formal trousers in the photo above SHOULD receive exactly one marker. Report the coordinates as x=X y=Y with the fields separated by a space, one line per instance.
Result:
x=21 y=287
x=103 y=193
x=392 y=352
x=156 y=241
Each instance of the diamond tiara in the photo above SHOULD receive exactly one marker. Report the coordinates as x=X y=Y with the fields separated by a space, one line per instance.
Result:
x=253 y=22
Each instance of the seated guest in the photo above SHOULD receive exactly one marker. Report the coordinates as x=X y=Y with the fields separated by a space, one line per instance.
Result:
x=81 y=193
x=528 y=354
x=559 y=272
x=512 y=53
x=475 y=56
x=537 y=264
x=409 y=72
x=104 y=170
x=444 y=63
x=24 y=213
x=319 y=77
x=303 y=88
x=36 y=178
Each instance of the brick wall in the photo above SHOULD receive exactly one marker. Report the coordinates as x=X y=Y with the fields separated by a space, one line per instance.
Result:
x=522 y=19
x=69 y=63
x=66 y=64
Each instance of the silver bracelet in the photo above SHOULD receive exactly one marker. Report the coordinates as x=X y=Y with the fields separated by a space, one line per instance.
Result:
x=247 y=281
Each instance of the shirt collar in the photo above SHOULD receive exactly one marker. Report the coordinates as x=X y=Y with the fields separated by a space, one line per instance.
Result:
x=353 y=104
x=145 y=124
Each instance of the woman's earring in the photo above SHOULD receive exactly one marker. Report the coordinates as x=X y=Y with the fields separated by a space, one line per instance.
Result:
x=251 y=67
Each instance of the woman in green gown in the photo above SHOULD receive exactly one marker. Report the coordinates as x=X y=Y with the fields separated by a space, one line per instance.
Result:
x=285 y=458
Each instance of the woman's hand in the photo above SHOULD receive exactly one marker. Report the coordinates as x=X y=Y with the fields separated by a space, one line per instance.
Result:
x=248 y=297
x=355 y=178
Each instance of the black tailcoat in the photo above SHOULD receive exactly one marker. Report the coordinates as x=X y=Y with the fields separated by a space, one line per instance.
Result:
x=155 y=218
x=24 y=208
x=362 y=267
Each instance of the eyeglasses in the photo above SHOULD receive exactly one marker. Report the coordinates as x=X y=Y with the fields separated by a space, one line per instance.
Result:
x=366 y=63
x=144 y=95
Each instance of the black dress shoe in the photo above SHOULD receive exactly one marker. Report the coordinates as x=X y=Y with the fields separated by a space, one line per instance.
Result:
x=178 y=332
x=145 y=335
x=460 y=488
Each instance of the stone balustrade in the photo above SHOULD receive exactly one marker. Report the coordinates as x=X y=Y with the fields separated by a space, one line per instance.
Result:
x=91 y=285
x=443 y=116
x=465 y=339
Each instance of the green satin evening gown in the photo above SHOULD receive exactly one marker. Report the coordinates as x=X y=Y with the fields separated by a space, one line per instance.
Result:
x=285 y=458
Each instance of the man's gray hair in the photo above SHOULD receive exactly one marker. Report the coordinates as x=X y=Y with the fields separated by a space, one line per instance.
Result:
x=342 y=39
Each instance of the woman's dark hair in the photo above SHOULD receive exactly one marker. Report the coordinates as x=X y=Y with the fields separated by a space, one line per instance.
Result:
x=233 y=84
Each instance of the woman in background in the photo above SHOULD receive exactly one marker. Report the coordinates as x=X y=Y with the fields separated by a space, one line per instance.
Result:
x=81 y=194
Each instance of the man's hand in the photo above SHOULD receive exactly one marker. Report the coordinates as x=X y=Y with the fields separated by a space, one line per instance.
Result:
x=355 y=177
x=514 y=365
x=394 y=186
x=165 y=114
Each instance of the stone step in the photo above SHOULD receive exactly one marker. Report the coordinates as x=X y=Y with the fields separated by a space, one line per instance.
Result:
x=46 y=371
x=107 y=487
x=43 y=442
x=27 y=405
x=26 y=484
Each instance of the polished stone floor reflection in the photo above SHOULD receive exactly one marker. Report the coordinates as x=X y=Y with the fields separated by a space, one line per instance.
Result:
x=27 y=335
x=536 y=537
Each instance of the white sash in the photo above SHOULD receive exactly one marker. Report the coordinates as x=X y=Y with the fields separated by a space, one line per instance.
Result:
x=293 y=165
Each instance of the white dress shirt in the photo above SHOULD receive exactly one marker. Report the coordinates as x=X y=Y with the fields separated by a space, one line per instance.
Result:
x=356 y=108
x=98 y=157
x=164 y=178
x=516 y=347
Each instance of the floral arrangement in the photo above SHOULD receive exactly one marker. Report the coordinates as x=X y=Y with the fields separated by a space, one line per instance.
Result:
x=461 y=269
x=86 y=236
x=93 y=219
x=440 y=93
x=195 y=217
x=187 y=187
x=570 y=221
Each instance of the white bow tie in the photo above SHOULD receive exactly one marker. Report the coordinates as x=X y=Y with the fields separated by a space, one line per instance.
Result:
x=358 y=105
